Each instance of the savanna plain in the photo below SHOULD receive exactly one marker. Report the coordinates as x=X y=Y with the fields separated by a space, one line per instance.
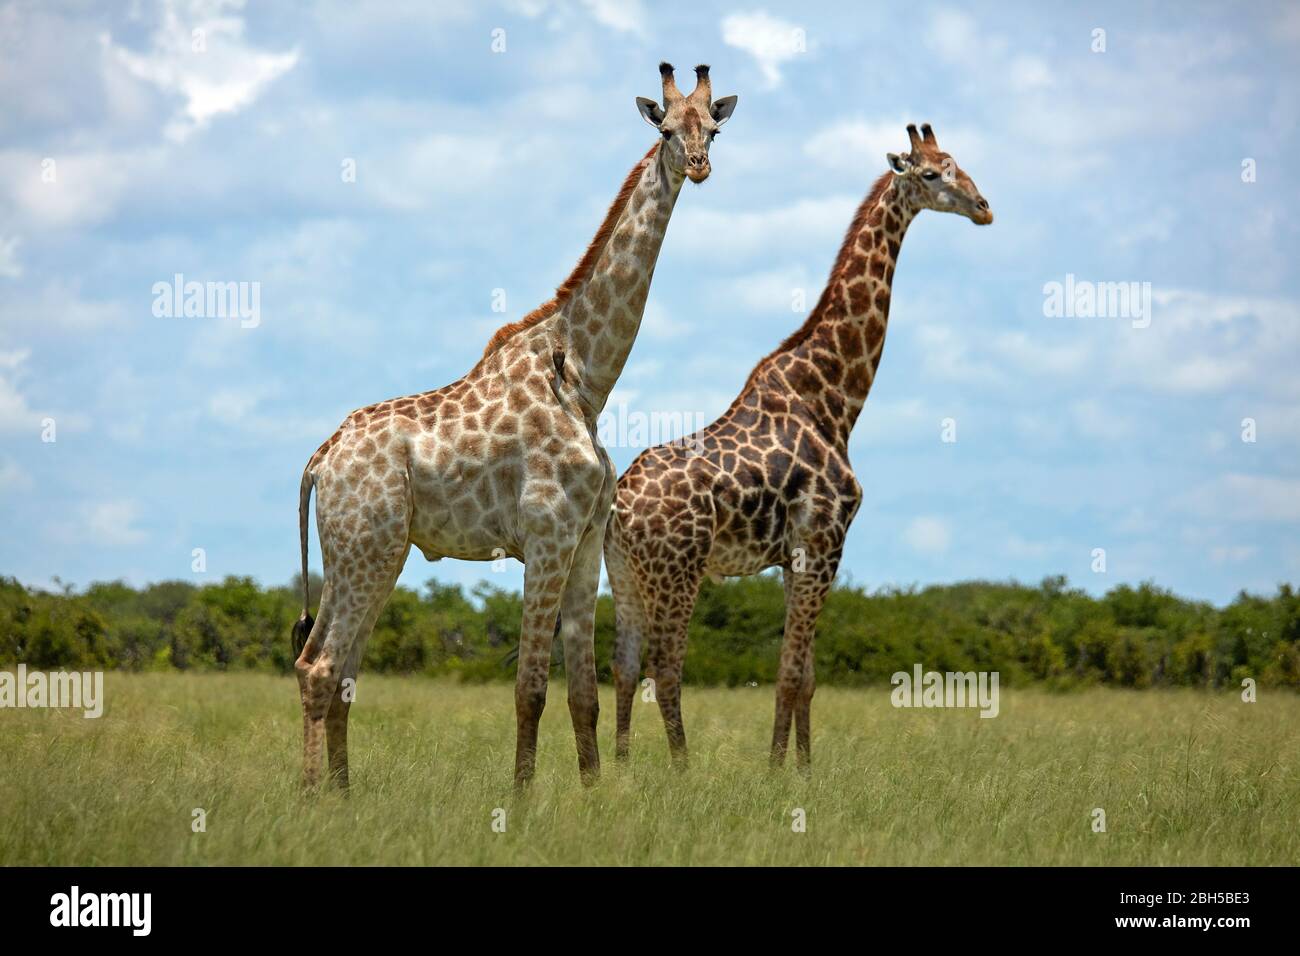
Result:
x=1186 y=777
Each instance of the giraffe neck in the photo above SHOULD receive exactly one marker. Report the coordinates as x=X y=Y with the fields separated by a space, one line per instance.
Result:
x=599 y=321
x=830 y=363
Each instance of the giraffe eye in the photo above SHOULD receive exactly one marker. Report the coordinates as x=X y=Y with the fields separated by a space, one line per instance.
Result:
x=668 y=134
x=929 y=174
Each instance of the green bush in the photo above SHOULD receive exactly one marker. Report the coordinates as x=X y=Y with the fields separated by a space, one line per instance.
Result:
x=1053 y=634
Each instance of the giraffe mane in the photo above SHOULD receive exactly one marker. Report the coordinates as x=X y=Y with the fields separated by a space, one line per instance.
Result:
x=866 y=215
x=586 y=265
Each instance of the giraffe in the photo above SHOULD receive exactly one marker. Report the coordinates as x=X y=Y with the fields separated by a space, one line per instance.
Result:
x=769 y=484
x=505 y=461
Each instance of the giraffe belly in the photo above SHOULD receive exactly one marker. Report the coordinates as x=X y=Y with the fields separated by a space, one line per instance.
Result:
x=464 y=511
x=733 y=558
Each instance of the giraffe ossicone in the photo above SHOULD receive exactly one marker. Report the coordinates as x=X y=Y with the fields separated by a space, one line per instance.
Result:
x=769 y=484
x=505 y=461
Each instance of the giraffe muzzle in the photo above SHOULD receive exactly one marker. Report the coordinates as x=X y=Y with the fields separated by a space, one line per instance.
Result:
x=698 y=168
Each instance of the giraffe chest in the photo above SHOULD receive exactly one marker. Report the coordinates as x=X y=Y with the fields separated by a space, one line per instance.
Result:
x=773 y=499
x=477 y=493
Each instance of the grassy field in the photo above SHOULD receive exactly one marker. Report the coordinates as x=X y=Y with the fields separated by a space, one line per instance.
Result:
x=1184 y=778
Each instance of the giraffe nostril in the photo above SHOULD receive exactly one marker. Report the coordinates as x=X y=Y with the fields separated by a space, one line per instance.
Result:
x=982 y=203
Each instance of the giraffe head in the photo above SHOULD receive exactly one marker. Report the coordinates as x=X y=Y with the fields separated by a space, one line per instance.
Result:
x=937 y=180
x=687 y=123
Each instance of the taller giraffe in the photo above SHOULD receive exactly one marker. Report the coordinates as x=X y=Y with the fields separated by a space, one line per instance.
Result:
x=769 y=484
x=506 y=460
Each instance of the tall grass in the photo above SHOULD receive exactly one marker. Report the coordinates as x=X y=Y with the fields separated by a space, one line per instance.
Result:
x=1184 y=777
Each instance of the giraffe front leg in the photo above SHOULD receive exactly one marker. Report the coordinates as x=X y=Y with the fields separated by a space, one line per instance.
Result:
x=546 y=569
x=667 y=659
x=674 y=603
x=578 y=626
x=668 y=691
x=803 y=713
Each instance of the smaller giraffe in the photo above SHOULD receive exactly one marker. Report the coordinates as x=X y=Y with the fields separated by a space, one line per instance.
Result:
x=769 y=483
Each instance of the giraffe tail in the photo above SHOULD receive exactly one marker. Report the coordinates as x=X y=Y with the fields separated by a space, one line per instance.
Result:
x=302 y=627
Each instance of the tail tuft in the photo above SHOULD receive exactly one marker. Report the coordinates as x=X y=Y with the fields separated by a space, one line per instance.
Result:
x=301 y=631
x=302 y=627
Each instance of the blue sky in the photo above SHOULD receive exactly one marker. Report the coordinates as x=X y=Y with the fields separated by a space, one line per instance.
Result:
x=478 y=171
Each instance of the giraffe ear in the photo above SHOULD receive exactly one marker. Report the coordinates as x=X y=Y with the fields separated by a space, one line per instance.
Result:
x=650 y=110
x=899 y=164
x=722 y=109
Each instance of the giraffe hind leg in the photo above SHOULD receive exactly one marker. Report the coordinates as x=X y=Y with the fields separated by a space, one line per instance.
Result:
x=336 y=720
x=360 y=572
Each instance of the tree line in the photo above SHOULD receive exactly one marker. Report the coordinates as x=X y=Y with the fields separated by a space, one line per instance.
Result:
x=1049 y=634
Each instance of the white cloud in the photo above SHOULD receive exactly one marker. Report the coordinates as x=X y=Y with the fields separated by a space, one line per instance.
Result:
x=231 y=406
x=946 y=356
x=1079 y=111
x=13 y=478
x=414 y=176
x=59 y=304
x=1196 y=343
x=112 y=523
x=729 y=235
x=773 y=291
x=1093 y=420
x=1241 y=497
x=1017 y=547
x=1030 y=73
x=856 y=144
x=769 y=40
x=10 y=267
x=1038 y=357
x=67 y=190
x=1135 y=521
x=1206 y=342
x=861 y=144
x=955 y=36
x=927 y=535
x=625 y=16
x=658 y=323
x=15 y=414
x=902 y=421
x=1232 y=553
x=224 y=76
